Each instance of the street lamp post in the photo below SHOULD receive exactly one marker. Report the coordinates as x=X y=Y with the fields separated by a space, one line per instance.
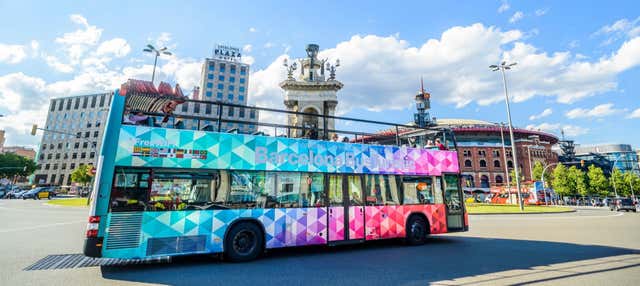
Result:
x=613 y=167
x=504 y=155
x=502 y=67
x=152 y=49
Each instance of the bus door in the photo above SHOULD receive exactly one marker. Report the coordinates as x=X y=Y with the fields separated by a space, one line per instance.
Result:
x=346 y=209
x=453 y=202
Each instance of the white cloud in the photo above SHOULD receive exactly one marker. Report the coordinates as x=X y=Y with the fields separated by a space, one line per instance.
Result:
x=117 y=47
x=504 y=6
x=634 y=114
x=12 y=54
x=35 y=48
x=541 y=12
x=544 y=113
x=55 y=63
x=601 y=110
x=268 y=45
x=556 y=128
x=623 y=28
x=517 y=16
x=247 y=48
x=252 y=30
x=574 y=44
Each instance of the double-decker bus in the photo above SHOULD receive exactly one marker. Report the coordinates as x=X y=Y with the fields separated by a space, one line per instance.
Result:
x=163 y=188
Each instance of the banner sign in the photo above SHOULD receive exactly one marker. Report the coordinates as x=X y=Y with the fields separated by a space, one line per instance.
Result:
x=175 y=148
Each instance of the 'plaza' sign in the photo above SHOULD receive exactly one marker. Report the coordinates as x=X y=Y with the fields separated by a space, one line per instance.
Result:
x=227 y=53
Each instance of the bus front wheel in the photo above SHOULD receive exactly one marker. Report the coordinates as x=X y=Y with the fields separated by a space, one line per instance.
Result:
x=244 y=242
x=417 y=230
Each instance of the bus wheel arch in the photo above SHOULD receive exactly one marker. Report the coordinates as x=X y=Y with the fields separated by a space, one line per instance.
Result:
x=417 y=229
x=244 y=240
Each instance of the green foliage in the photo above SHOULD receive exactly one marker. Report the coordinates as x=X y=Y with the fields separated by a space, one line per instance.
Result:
x=12 y=164
x=617 y=182
x=579 y=181
x=512 y=176
x=632 y=181
x=81 y=175
x=537 y=173
x=561 y=181
x=598 y=183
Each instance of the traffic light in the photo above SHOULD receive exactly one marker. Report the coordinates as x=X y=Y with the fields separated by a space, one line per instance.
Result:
x=34 y=128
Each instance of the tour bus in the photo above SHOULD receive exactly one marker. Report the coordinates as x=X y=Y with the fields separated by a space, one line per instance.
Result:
x=166 y=189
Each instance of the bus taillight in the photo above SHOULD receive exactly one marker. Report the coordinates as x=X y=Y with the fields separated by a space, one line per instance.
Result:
x=92 y=226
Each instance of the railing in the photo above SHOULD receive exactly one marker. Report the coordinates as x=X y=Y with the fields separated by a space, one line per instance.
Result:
x=353 y=130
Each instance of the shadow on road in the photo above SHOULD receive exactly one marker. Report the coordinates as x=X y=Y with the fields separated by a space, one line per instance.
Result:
x=376 y=263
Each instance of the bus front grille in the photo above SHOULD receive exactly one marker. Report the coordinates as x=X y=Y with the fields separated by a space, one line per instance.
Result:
x=124 y=230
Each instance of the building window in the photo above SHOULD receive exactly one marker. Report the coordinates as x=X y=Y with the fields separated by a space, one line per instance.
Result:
x=209 y=84
x=60 y=105
x=232 y=69
x=55 y=166
x=484 y=181
x=210 y=76
x=220 y=86
x=509 y=164
x=243 y=70
x=241 y=89
x=185 y=107
x=57 y=156
x=49 y=156
x=95 y=134
x=482 y=153
x=86 y=134
x=85 y=145
x=242 y=80
x=64 y=166
x=498 y=179
x=231 y=87
x=92 y=155
x=69 y=104
x=85 y=100
x=241 y=97
x=241 y=113
x=483 y=164
x=83 y=155
x=466 y=153
x=74 y=155
x=467 y=163
x=93 y=101
x=231 y=111
x=72 y=166
x=230 y=96
x=53 y=105
x=209 y=94
x=207 y=108
x=53 y=179
x=232 y=79
x=76 y=145
x=221 y=78
x=196 y=108
x=252 y=114
x=219 y=95
x=496 y=164
x=102 y=100
x=222 y=67
x=211 y=66
x=47 y=166
x=496 y=153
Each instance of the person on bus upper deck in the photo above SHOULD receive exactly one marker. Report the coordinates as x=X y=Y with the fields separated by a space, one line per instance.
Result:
x=440 y=145
x=334 y=137
x=345 y=139
x=429 y=144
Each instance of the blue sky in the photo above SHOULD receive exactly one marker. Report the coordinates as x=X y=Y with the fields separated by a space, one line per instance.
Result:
x=577 y=60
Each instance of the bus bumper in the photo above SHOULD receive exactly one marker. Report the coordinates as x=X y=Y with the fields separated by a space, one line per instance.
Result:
x=93 y=246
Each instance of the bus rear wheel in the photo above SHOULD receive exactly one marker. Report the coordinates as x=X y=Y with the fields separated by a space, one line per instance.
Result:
x=244 y=242
x=417 y=230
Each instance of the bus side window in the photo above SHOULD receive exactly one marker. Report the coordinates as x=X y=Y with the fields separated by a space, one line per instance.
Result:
x=438 y=197
x=312 y=190
x=417 y=190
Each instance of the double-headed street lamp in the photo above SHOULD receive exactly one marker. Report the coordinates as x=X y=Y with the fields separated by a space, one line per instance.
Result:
x=502 y=67
x=152 y=49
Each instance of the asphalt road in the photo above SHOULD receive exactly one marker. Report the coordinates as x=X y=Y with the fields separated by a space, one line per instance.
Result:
x=588 y=247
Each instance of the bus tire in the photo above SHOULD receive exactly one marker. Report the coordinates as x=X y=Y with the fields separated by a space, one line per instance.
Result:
x=244 y=242
x=417 y=230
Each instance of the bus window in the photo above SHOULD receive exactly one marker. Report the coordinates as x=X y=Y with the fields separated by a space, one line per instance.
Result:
x=381 y=190
x=355 y=190
x=438 y=198
x=312 y=190
x=170 y=191
x=335 y=190
x=288 y=189
x=129 y=193
x=246 y=186
x=417 y=190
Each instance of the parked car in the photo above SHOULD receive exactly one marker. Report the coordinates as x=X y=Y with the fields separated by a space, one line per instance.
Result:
x=39 y=193
x=625 y=204
x=3 y=191
x=14 y=194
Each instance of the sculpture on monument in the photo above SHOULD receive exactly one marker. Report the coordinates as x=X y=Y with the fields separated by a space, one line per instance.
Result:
x=311 y=93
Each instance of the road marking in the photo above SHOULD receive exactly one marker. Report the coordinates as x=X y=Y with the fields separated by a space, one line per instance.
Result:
x=519 y=217
x=38 y=226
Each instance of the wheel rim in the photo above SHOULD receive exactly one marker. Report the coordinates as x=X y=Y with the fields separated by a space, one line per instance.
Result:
x=417 y=230
x=244 y=242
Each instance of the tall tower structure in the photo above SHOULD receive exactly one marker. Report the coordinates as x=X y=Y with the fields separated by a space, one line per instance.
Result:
x=311 y=92
x=423 y=104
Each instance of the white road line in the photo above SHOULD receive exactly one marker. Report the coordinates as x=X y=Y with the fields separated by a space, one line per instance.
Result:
x=519 y=217
x=38 y=226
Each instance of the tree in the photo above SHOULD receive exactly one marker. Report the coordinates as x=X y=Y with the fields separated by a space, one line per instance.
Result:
x=617 y=181
x=82 y=174
x=12 y=165
x=633 y=182
x=537 y=173
x=579 y=181
x=598 y=183
x=561 y=183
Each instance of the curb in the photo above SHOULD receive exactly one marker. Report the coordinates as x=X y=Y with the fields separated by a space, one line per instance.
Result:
x=569 y=211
